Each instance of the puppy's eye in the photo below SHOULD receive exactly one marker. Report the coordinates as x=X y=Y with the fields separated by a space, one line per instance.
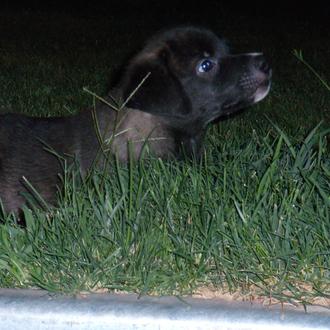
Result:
x=205 y=66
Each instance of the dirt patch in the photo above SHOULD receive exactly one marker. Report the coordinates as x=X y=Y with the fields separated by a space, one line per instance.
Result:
x=255 y=296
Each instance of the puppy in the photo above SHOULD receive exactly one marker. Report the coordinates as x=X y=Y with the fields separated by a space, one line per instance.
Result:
x=189 y=81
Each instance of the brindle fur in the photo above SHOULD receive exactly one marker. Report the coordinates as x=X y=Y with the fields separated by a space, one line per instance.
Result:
x=169 y=113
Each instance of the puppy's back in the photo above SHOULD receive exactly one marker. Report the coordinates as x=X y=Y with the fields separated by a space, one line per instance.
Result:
x=28 y=148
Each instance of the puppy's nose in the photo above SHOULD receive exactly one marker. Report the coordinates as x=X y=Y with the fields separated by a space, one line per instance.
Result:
x=261 y=64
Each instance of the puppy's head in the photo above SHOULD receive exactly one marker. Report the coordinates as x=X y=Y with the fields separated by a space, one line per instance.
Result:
x=193 y=78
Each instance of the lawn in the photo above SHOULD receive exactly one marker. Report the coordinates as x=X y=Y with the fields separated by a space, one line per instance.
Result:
x=251 y=217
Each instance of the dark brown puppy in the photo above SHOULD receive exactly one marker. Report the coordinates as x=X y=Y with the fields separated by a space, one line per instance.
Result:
x=193 y=81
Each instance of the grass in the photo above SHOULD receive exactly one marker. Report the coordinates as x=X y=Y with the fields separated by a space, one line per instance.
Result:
x=247 y=217
x=252 y=216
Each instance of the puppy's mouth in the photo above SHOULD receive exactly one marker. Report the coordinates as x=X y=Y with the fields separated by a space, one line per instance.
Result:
x=261 y=92
x=253 y=88
x=230 y=106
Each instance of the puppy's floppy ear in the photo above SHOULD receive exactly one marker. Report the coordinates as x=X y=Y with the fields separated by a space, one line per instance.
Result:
x=162 y=92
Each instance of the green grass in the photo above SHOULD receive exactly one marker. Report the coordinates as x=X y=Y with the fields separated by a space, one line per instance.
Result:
x=253 y=215
x=242 y=217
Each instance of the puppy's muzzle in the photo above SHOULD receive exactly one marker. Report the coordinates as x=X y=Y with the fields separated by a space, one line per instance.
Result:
x=256 y=80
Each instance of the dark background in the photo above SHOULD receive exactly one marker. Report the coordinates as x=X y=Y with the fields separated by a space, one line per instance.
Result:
x=275 y=21
x=92 y=42
x=177 y=10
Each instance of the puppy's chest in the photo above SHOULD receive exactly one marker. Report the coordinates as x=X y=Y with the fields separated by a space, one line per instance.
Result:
x=141 y=132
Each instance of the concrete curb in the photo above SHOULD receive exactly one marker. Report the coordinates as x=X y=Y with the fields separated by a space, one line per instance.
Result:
x=37 y=309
